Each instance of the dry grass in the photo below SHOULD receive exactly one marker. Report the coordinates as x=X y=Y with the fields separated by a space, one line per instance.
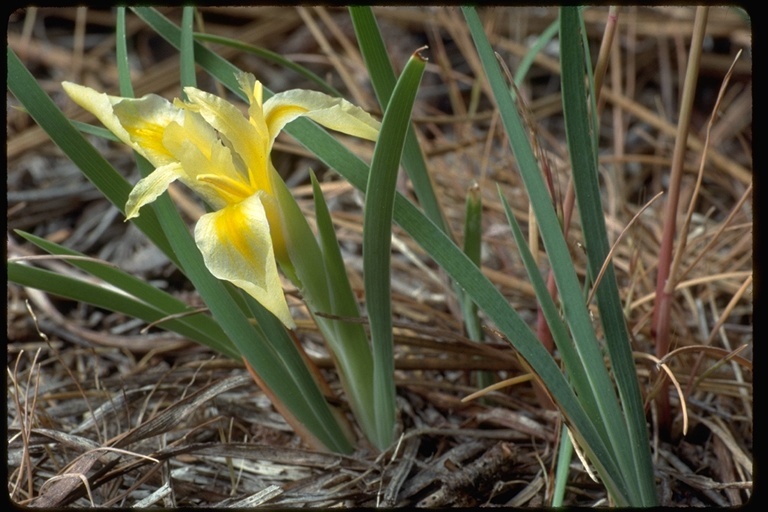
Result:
x=101 y=414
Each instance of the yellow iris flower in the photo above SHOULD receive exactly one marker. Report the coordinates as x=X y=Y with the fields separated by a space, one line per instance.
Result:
x=212 y=148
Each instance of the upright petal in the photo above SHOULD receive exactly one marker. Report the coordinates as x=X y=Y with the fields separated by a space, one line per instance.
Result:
x=334 y=113
x=208 y=166
x=243 y=137
x=237 y=247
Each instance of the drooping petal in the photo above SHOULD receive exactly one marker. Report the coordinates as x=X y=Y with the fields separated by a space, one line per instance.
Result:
x=150 y=188
x=334 y=113
x=237 y=247
x=243 y=137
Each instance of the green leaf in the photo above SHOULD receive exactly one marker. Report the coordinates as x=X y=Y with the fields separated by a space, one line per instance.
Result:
x=377 y=240
x=637 y=460
x=473 y=230
x=383 y=79
x=102 y=297
x=198 y=327
x=348 y=344
x=121 y=55
x=560 y=335
x=541 y=42
x=603 y=437
x=272 y=57
x=187 y=50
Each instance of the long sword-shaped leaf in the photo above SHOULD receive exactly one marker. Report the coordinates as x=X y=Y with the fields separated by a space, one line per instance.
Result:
x=557 y=326
x=610 y=422
x=89 y=293
x=187 y=51
x=377 y=239
x=270 y=56
x=356 y=363
x=197 y=327
x=121 y=55
x=585 y=175
x=383 y=80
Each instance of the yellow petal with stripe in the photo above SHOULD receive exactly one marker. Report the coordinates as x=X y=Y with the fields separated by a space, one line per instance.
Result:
x=245 y=138
x=138 y=123
x=237 y=246
x=334 y=113
x=100 y=105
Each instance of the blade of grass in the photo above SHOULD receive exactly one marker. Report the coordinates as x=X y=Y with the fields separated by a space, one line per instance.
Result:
x=377 y=240
x=585 y=177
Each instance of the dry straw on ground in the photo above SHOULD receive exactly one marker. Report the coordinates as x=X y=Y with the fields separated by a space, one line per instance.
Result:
x=101 y=414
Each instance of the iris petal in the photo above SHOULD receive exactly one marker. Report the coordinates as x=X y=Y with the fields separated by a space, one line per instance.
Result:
x=150 y=188
x=100 y=105
x=334 y=113
x=237 y=246
x=145 y=120
x=244 y=138
x=207 y=144
x=207 y=163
